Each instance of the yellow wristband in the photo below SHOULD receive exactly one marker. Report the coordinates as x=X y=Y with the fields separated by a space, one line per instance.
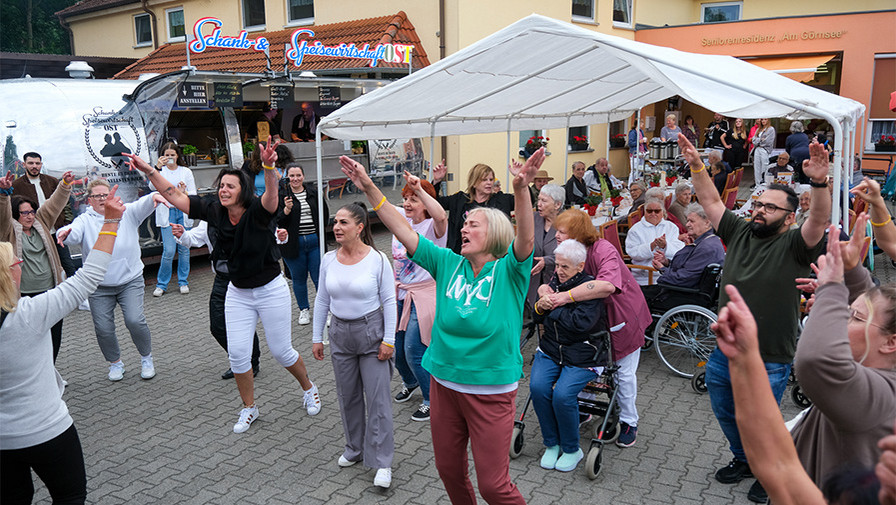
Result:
x=267 y=167
x=536 y=310
x=66 y=183
x=379 y=205
x=109 y=233
x=879 y=224
x=388 y=345
x=570 y=296
x=698 y=171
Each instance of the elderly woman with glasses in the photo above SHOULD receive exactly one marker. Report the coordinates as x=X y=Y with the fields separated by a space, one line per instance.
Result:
x=651 y=235
x=550 y=202
x=36 y=431
x=27 y=228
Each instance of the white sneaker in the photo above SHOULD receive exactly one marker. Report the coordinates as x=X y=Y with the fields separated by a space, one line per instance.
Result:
x=184 y=290
x=247 y=415
x=383 y=478
x=158 y=292
x=312 y=400
x=345 y=462
x=116 y=371
x=304 y=316
x=148 y=371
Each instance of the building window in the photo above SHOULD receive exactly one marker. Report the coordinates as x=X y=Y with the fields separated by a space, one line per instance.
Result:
x=577 y=139
x=583 y=9
x=300 y=11
x=175 y=19
x=253 y=14
x=882 y=119
x=622 y=12
x=142 y=30
x=721 y=11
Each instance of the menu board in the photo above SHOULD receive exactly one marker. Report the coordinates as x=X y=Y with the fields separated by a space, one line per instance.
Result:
x=192 y=94
x=329 y=97
x=281 y=97
x=228 y=94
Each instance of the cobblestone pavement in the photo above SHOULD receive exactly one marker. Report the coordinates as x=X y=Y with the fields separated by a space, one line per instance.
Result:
x=169 y=440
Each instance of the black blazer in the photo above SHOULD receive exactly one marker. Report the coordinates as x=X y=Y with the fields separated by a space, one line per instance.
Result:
x=291 y=221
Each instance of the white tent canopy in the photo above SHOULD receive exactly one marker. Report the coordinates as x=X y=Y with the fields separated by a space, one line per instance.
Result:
x=540 y=73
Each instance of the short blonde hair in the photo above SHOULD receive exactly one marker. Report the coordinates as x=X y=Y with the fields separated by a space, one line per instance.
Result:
x=9 y=292
x=97 y=182
x=673 y=117
x=500 y=232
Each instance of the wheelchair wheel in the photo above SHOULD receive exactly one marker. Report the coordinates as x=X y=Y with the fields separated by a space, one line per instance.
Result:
x=593 y=461
x=801 y=400
x=517 y=442
x=683 y=338
x=698 y=382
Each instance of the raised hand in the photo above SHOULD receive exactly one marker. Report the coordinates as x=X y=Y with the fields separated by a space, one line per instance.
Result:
x=689 y=153
x=68 y=178
x=830 y=266
x=6 y=182
x=138 y=163
x=287 y=204
x=413 y=181
x=356 y=172
x=735 y=330
x=177 y=230
x=114 y=207
x=816 y=167
x=524 y=174
x=851 y=249
x=868 y=190
x=269 y=152
x=439 y=172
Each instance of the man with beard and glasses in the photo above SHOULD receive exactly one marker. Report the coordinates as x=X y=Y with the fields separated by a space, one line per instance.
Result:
x=763 y=258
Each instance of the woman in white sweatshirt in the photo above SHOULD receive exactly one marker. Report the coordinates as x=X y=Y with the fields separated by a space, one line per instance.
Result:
x=36 y=431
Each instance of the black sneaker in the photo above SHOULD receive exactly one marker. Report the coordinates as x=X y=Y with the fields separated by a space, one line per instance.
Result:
x=757 y=493
x=422 y=413
x=627 y=435
x=736 y=471
x=405 y=394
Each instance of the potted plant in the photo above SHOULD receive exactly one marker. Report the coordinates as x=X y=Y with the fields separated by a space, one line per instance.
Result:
x=248 y=147
x=618 y=140
x=359 y=146
x=592 y=202
x=190 y=154
x=579 y=143
x=671 y=176
x=886 y=143
x=653 y=180
x=615 y=197
x=535 y=143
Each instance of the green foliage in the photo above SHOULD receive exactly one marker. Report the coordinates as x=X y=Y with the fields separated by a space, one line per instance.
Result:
x=189 y=149
x=47 y=35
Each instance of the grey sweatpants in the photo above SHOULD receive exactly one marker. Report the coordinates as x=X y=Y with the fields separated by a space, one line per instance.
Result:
x=362 y=379
x=102 y=307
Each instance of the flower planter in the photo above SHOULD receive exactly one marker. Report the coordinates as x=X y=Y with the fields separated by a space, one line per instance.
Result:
x=885 y=147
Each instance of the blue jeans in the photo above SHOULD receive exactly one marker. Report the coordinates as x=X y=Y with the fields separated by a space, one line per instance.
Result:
x=169 y=246
x=307 y=262
x=718 y=383
x=554 y=389
x=409 y=351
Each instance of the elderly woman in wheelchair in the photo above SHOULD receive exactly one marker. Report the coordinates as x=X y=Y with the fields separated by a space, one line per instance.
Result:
x=566 y=359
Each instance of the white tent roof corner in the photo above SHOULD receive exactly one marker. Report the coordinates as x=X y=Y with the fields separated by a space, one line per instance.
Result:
x=542 y=73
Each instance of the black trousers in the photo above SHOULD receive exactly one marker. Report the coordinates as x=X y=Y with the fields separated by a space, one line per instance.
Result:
x=216 y=316
x=59 y=463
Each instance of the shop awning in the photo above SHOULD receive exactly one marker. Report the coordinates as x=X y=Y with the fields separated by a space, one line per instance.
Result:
x=798 y=68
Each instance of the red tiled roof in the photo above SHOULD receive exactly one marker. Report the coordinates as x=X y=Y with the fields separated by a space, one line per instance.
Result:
x=85 y=6
x=381 y=30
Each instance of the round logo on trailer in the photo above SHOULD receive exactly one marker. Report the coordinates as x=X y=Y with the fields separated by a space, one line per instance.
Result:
x=108 y=136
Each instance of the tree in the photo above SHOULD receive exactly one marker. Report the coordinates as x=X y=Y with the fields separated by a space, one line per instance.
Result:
x=30 y=26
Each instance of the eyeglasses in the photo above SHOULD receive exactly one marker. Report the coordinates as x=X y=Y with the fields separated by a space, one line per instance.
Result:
x=27 y=212
x=854 y=314
x=653 y=211
x=769 y=207
x=99 y=197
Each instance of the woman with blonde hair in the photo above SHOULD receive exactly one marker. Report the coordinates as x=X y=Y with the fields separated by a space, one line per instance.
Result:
x=735 y=142
x=474 y=357
x=36 y=431
x=479 y=193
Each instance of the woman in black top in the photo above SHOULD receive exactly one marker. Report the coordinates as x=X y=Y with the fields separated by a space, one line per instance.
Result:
x=479 y=194
x=300 y=217
x=246 y=241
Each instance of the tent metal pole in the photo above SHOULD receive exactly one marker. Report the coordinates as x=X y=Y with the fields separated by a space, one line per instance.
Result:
x=320 y=194
x=432 y=148
x=849 y=147
x=507 y=175
x=566 y=159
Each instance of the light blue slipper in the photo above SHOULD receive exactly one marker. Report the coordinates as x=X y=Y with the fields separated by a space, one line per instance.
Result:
x=550 y=457
x=568 y=461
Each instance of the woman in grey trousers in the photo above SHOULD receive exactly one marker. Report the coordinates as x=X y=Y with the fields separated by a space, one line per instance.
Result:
x=357 y=285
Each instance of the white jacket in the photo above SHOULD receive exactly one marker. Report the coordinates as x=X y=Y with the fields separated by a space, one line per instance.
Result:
x=126 y=263
x=175 y=177
x=639 y=238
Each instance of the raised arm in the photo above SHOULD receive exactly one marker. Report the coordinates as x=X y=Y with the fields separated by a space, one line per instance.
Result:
x=706 y=191
x=56 y=203
x=6 y=220
x=816 y=168
x=390 y=217
x=270 y=197
x=766 y=440
x=881 y=220
x=177 y=198
x=432 y=206
x=523 y=175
